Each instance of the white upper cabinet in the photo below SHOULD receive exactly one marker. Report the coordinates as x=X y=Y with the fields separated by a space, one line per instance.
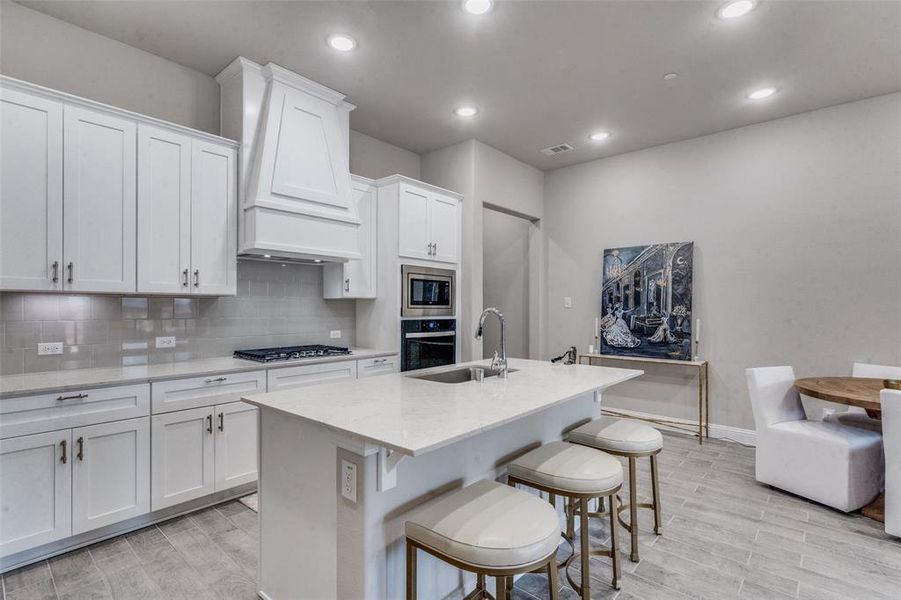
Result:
x=213 y=219
x=99 y=201
x=357 y=278
x=295 y=189
x=164 y=211
x=31 y=192
x=428 y=224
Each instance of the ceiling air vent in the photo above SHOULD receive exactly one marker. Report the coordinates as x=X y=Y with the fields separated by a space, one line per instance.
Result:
x=558 y=149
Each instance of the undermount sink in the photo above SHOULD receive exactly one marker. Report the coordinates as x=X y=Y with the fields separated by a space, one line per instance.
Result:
x=461 y=375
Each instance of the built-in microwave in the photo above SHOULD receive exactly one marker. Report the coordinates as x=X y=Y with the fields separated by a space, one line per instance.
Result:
x=427 y=292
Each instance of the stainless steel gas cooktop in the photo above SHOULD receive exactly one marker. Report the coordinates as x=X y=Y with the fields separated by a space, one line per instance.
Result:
x=265 y=355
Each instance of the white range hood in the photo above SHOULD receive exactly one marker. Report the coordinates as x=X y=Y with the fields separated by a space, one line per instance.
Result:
x=295 y=197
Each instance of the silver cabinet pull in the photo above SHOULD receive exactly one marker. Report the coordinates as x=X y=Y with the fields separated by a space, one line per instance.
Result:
x=184 y=280
x=196 y=277
x=430 y=249
x=71 y=268
x=55 y=267
x=215 y=379
x=435 y=249
x=221 y=421
x=379 y=360
x=80 y=454
x=209 y=423
x=347 y=284
x=63 y=457
x=72 y=397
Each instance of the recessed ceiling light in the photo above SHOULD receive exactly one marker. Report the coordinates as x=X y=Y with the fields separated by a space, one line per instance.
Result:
x=477 y=7
x=341 y=42
x=762 y=93
x=599 y=136
x=267 y=256
x=670 y=76
x=466 y=111
x=317 y=260
x=735 y=9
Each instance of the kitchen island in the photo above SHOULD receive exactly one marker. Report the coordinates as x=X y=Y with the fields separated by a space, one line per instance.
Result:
x=343 y=465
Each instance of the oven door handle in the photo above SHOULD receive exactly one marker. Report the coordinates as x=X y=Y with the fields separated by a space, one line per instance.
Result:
x=430 y=334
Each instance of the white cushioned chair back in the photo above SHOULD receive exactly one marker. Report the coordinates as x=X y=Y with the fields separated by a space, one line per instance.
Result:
x=774 y=398
x=875 y=372
x=891 y=441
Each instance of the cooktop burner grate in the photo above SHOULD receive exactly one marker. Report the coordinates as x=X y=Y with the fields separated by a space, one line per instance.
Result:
x=265 y=355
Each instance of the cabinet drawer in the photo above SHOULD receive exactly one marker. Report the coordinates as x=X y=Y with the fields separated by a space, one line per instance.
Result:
x=291 y=377
x=377 y=366
x=194 y=392
x=24 y=415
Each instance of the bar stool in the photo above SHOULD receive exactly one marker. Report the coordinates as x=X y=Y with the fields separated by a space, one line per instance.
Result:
x=633 y=440
x=578 y=474
x=489 y=529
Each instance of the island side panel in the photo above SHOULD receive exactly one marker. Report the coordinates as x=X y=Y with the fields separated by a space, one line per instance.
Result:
x=423 y=478
x=298 y=509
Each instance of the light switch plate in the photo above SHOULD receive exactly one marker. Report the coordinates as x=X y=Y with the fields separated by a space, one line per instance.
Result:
x=49 y=348
x=165 y=342
x=349 y=480
x=567 y=302
x=335 y=334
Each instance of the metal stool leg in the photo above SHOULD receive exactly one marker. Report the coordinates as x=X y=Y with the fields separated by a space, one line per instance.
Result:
x=411 y=571
x=614 y=543
x=586 y=549
x=655 y=491
x=553 y=580
x=500 y=587
x=633 y=508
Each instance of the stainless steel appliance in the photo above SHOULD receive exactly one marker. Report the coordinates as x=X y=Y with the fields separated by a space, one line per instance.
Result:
x=265 y=355
x=427 y=343
x=427 y=292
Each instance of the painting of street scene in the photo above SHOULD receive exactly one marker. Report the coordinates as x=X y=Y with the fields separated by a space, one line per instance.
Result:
x=646 y=301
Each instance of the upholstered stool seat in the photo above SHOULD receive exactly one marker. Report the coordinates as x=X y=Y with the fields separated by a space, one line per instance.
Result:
x=631 y=439
x=618 y=435
x=489 y=529
x=577 y=473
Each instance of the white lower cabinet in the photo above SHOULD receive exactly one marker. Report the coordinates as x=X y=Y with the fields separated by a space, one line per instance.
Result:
x=292 y=377
x=182 y=456
x=110 y=473
x=370 y=367
x=35 y=490
x=202 y=450
x=236 y=445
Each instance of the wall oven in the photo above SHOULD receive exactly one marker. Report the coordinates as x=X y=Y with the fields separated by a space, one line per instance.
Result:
x=427 y=343
x=427 y=292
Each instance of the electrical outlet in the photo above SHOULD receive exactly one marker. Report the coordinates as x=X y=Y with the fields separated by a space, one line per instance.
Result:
x=349 y=480
x=335 y=334
x=50 y=348
x=165 y=342
x=827 y=411
x=567 y=302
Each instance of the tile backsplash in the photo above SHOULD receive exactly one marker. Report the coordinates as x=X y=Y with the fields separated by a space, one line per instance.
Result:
x=276 y=305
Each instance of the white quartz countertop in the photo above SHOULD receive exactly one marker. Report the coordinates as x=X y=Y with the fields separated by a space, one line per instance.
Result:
x=415 y=416
x=54 y=381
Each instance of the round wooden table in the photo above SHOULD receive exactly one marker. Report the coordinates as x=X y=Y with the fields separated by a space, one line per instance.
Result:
x=853 y=391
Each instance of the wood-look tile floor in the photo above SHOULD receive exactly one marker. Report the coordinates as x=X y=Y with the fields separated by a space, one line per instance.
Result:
x=724 y=536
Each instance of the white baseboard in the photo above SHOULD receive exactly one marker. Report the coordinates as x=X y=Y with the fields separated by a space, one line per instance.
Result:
x=747 y=437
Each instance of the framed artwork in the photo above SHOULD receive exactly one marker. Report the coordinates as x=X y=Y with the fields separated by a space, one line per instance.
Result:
x=646 y=301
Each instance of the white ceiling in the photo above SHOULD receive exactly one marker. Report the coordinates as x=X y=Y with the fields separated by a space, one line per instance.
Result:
x=541 y=73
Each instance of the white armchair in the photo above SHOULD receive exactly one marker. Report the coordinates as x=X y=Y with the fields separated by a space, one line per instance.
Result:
x=891 y=431
x=829 y=463
x=855 y=416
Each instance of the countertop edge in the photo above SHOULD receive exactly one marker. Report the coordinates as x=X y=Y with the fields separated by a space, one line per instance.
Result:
x=104 y=380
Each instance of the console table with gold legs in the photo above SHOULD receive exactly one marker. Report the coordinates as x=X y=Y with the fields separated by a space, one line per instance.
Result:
x=702 y=429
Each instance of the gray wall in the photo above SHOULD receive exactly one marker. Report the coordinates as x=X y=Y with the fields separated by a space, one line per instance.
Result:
x=374 y=158
x=275 y=305
x=797 y=231
x=505 y=273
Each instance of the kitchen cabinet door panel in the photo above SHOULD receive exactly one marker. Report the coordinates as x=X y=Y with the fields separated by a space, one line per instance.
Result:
x=164 y=211
x=35 y=490
x=31 y=192
x=99 y=202
x=413 y=223
x=443 y=220
x=110 y=473
x=213 y=216
x=182 y=456
x=236 y=444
